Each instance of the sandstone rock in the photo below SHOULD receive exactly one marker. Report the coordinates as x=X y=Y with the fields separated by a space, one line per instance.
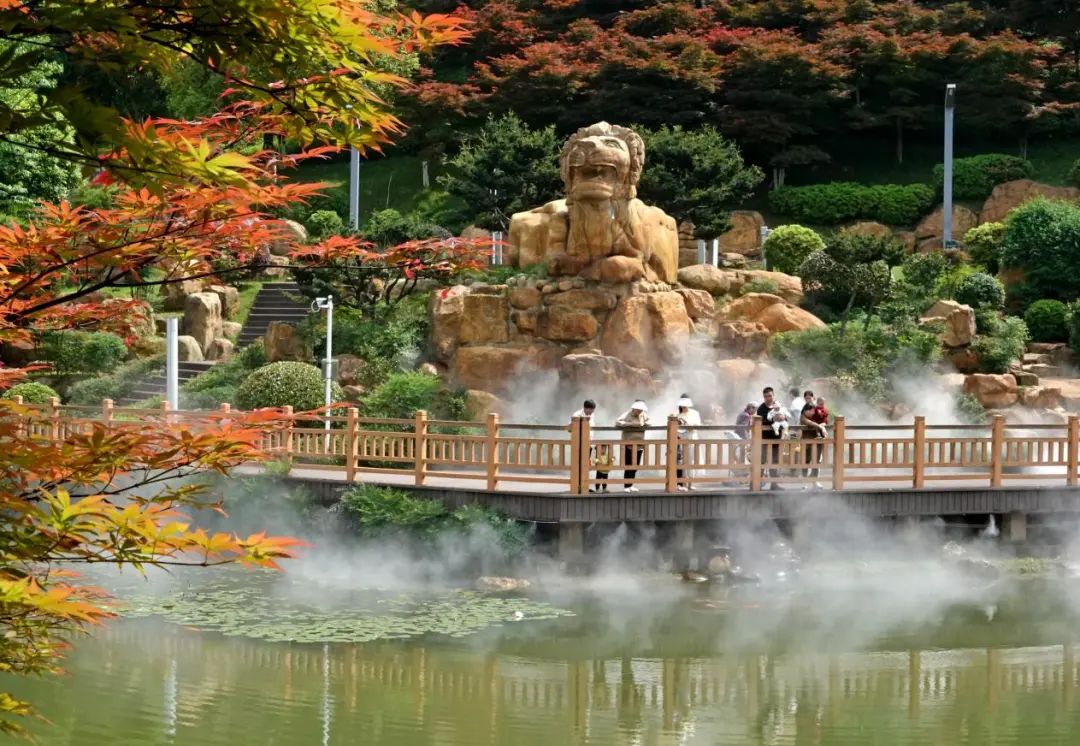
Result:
x=742 y=339
x=744 y=237
x=1042 y=397
x=220 y=349
x=788 y=287
x=732 y=261
x=484 y=318
x=784 y=317
x=277 y=267
x=963 y=360
x=427 y=369
x=353 y=394
x=699 y=304
x=712 y=280
x=446 y=310
x=472 y=233
x=907 y=238
x=1012 y=194
x=747 y=307
x=231 y=329
x=202 y=318
x=952 y=382
x=524 y=297
x=488 y=368
x=188 y=350
x=282 y=342
x=932 y=226
x=647 y=331
x=479 y=404
x=349 y=368
x=959 y=321
x=868 y=228
x=175 y=292
x=229 y=297
x=992 y=390
x=615 y=270
x=736 y=370
x=1026 y=378
x=1046 y=371
x=601 y=373
x=590 y=299
x=292 y=233
x=526 y=322
x=561 y=324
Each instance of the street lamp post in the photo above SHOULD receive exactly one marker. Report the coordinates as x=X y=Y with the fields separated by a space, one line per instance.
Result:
x=327 y=304
x=946 y=189
x=354 y=189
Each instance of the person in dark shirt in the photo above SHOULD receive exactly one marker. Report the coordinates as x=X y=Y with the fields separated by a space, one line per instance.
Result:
x=812 y=423
x=770 y=452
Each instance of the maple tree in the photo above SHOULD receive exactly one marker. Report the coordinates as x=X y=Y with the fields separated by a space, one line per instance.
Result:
x=190 y=199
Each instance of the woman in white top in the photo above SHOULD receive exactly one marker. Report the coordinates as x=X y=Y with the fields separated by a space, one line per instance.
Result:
x=689 y=419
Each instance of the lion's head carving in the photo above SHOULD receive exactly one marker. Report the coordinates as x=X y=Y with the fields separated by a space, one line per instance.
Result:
x=602 y=162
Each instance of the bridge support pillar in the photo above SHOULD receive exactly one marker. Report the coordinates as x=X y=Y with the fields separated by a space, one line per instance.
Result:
x=682 y=544
x=1015 y=526
x=571 y=541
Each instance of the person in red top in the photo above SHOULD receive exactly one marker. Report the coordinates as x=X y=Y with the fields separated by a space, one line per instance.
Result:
x=813 y=420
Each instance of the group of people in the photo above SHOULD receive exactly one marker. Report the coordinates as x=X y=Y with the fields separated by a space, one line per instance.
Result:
x=807 y=419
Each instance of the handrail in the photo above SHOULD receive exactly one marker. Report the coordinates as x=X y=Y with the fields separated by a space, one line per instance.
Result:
x=578 y=459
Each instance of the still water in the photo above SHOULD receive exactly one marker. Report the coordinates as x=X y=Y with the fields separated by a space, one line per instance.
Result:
x=649 y=665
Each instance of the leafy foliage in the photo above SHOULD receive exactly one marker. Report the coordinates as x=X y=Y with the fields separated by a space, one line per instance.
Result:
x=975 y=177
x=837 y=202
x=386 y=345
x=82 y=352
x=1002 y=344
x=1042 y=238
x=218 y=385
x=116 y=385
x=983 y=244
x=31 y=392
x=788 y=246
x=403 y=394
x=285 y=384
x=1047 y=320
x=852 y=272
x=980 y=290
x=323 y=224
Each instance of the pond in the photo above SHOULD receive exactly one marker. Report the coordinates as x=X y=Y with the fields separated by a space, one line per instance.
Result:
x=643 y=660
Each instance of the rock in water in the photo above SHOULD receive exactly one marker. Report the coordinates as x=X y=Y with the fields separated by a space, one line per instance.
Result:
x=501 y=585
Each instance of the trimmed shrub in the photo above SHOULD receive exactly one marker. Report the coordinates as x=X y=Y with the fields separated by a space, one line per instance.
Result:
x=82 y=352
x=285 y=384
x=1042 y=238
x=980 y=290
x=841 y=201
x=1047 y=320
x=983 y=245
x=975 y=177
x=787 y=247
x=323 y=224
x=1004 y=342
x=401 y=395
x=31 y=393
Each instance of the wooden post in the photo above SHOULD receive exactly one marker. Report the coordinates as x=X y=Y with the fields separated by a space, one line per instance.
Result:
x=290 y=446
x=755 y=454
x=577 y=469
x=352 y=417
x=492 y=451
x=54 y=419
x=671 y=456
x=918 y=470
x=1073 y=452
x=839 y=453
x=997 y=443
x=420 y=427
x=106 y=410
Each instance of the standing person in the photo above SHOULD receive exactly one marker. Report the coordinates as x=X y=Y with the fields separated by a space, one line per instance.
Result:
x=797 y=402
x=599 y=455
x=689 y=419
x=742 y=429
x=632 y=423
x=770 y=452
x=814 y=421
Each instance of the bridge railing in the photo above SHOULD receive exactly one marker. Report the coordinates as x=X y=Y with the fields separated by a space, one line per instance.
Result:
x=578 y=458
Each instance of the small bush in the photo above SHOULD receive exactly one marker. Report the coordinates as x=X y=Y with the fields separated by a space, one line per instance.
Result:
x=787 y=247
x=1042 y=238
x=969 y=410
x=983 y=244
x=1004 y=343
x=285 y=384
x=1047 y=320
x=760 y=285
x=31 y=393
x=403 y=394
x=839 y=202
x=323 y=224
x=980 y=290
x=115 y=385
x=219 y=383
x=82 y=352
x=976 y=177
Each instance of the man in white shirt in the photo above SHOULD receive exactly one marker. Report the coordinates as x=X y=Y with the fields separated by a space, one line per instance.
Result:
x=600 y=457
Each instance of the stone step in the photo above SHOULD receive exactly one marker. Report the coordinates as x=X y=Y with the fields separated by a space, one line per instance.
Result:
x=1045 y=371
x=1035 y=358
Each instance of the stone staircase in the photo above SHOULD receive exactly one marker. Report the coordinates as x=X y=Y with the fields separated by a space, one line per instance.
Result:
x=155 y=384
x=276 y=301
x=1043 y=360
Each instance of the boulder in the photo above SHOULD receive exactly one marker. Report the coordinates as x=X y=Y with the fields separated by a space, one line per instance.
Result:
x=202 y=318
x=427 y=369
x=592 y=299
x=526 y=322
x=349 y=368
x=959 y=321
x=733 y=261
x=952 y=383
x=601 y=373
x=868 y=228
x=699 y=304
x=479 y=404
x=220 y=349
x=992 y=390
x=445 y=313
x=784 y=317
x=712 y=280
x=716 y=281
x=647 y=331
x=963 y=359
x=353 y=394
x=231 y=329
x=277 y=267
x=1041 y=397
x=788 y=287
x=524 y=297
x=744 y=236
x=908 y=240
x=488 y=368
x=747 y=307
x=560 y=324
x=1026 y=378
x=735 y=370
x=742 y=339
x=282 y=342
x=230 y=300
x=484 y=318
x=933 y=225
x=173 y=293
x=188 y=349
x=292 y=233
x=615 y=270
x=1012 y=194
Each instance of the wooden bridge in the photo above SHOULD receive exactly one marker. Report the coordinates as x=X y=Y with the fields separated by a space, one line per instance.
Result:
x=548 y=473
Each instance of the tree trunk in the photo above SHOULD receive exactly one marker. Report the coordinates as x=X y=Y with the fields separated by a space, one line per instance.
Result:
x=1024 y=145
x=899 y=140
x=845 y=314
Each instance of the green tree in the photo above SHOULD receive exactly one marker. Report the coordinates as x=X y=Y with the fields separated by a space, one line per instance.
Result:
x=788 y=246
x=696 y=175
x=854 y=271
x=1042 y=239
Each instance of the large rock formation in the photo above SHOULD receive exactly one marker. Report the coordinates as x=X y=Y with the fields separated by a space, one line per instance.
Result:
x=930 y=231
x=1012 y=194
x=202 y=319
x=602 y=373
x=958 y=320
x=601 y=221
x=768 y=311
x=993 y=391
x=744 y=236
x=716 y=281
x=648 y=331
x=282 y=342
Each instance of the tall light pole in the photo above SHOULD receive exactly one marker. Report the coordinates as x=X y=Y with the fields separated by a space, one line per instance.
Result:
x=946 y=189
x=354 y=189
x=172 y=363
x=327 y=304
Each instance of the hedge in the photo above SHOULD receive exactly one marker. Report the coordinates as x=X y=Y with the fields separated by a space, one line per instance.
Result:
x=31 y=393
x=976 y=177
x=843 y=201
x=285 y=384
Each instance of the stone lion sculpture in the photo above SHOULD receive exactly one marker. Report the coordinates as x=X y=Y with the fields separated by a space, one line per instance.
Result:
x=601 y=231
